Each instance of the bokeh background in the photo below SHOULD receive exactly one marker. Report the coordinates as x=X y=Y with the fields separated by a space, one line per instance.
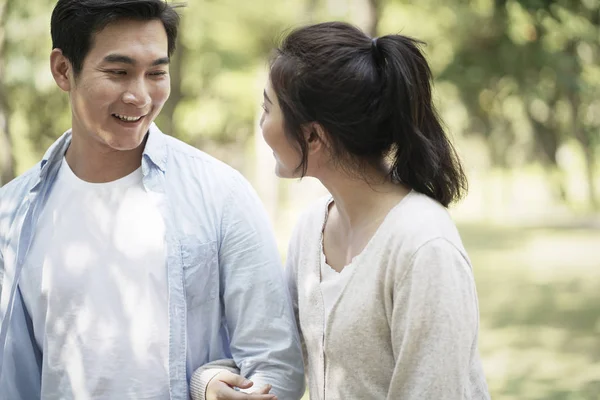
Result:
x=518 y=86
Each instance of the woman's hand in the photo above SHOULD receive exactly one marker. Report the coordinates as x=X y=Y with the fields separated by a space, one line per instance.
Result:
x=221 y=387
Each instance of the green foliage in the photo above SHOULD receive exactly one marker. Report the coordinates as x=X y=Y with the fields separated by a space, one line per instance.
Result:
x=528 y=72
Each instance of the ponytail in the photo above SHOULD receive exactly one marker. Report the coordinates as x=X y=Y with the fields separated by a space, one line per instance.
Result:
x=423 y=156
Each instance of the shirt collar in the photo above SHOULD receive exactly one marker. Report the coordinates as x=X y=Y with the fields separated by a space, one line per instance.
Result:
x=55 y=153
x=155 y=150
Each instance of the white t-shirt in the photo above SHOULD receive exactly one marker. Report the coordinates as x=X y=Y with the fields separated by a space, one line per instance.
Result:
x=95 y=285
x=332 y=282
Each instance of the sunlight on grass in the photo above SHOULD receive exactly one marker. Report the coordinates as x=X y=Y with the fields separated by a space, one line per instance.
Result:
x=540 y=310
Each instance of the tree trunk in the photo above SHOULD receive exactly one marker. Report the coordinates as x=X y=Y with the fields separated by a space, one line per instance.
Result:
x=373 y=16
x=548 y=137
x=311 y=10
x=590 y=163
x=7 y=163
x=584 y=138
x=581 y=133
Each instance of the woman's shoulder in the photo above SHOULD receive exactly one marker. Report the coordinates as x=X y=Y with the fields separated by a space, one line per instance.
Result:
x=306 y=233
x=311 y=219
x=419 y=219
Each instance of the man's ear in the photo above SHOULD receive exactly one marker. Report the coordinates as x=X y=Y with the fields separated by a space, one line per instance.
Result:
x=61 y=69
x=315 y=137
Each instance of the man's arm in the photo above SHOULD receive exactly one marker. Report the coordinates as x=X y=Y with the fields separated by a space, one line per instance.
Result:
x=263 y=336
x=20 y=373
x=227 y=368
x=1 y=272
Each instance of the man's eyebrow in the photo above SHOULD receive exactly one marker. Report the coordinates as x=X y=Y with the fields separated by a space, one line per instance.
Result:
x=267 y=97
x=122 y=59
x=119 y=58
x=161 y=61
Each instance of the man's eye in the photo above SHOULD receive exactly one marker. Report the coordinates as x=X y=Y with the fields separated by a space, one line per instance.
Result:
x=117 y=72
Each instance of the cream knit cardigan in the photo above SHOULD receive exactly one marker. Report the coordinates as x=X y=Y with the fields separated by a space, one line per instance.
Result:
x=405 y=326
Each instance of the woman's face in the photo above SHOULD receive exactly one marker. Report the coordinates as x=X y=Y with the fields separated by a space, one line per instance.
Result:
x=287 y=156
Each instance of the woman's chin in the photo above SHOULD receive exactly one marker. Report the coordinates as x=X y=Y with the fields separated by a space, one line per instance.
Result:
x=282 y=173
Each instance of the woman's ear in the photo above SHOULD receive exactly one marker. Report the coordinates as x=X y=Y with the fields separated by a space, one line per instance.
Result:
x=315 y=137
x=61 y=69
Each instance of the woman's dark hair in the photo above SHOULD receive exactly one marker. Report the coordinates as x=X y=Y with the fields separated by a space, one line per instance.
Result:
x=373 y=99
x=74 y=23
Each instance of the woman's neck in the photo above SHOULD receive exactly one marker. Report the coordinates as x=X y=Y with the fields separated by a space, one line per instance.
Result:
x=362 y=200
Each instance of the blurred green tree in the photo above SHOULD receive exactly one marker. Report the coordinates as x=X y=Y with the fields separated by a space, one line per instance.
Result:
x=7 y=170
x=538 y=59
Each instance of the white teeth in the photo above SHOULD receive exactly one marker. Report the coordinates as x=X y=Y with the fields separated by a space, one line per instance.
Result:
x=126 y=118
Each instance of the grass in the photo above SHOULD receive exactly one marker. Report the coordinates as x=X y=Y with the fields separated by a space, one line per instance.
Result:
x=539 y=294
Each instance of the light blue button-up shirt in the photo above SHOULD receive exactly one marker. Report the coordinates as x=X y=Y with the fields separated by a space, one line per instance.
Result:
x=227 y=297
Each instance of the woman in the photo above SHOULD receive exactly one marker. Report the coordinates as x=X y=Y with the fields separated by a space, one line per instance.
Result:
x=382 y=286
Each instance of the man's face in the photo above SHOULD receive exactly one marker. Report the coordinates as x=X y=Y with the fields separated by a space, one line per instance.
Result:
x=123 y=85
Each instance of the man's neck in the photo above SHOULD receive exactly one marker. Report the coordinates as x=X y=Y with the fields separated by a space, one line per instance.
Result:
x=94 y=163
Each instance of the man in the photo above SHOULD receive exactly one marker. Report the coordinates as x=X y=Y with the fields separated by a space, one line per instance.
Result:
x=130 y=259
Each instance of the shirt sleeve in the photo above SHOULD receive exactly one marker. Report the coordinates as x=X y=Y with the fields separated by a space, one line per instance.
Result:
x=434 y=325
x=263 y=336
x=1 y=275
